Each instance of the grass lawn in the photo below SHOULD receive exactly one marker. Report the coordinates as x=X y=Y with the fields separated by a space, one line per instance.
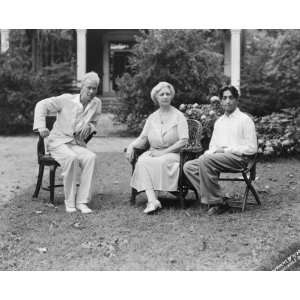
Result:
x=36 y=236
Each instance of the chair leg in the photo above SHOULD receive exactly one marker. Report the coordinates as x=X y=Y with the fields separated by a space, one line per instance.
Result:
x=39 y=181
x=245 y=198
x=52 y=182
x=197 y=196
x=181 y=197
x=255 y=195
x=133 y=195
x=252 y=189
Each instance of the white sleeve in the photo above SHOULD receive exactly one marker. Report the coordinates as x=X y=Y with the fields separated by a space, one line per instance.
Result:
x=143 y=137
x=44 y=108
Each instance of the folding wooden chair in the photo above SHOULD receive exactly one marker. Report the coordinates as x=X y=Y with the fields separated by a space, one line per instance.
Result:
x=248 y=176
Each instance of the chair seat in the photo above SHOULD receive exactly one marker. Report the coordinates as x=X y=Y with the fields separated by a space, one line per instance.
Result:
x=246 y=170
x=48 y=160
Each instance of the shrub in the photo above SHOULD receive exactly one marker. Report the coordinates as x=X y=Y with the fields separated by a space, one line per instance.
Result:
x=206 y=114
x=20 y=89
x=278 y=133
x=21 y=86
x=190 y=60
x=270 y=77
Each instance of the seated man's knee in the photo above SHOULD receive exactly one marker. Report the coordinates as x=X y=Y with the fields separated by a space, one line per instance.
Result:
x=187 y=166
x=191 y=166
x=72 y=158
x=204 y=159
x=91 y=156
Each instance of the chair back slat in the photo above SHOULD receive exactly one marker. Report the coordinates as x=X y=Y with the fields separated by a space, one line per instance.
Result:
x=50 y=120
x=195 y=133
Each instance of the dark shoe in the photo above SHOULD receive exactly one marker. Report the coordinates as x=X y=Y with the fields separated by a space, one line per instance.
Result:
x=218 y=209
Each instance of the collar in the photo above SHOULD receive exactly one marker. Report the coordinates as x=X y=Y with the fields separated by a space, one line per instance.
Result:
x=235 y=113
x=77 y=100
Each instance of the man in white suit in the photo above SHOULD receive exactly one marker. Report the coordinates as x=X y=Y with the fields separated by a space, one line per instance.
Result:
x=77 y=117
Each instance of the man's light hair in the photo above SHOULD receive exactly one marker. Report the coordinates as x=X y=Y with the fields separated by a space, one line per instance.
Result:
x=93 y=76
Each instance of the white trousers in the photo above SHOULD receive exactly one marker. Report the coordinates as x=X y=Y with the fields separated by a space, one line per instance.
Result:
x=73 y=159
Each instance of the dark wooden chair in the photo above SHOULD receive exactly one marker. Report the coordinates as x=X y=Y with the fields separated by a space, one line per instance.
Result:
x=248 y=176
x=46 y=160
x=192 y=150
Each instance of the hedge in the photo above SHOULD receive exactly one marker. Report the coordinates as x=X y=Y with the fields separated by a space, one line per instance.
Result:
x=278 y=133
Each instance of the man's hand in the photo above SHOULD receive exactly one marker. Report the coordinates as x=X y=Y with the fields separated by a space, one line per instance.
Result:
x=85 y=132
x=44 y=132
x=220 y=150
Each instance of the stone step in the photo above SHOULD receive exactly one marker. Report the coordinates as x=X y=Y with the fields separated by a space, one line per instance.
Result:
x=109 y=104
x=109 y=127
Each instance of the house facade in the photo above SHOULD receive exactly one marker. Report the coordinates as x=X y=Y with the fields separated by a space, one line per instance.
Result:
x=106 y=52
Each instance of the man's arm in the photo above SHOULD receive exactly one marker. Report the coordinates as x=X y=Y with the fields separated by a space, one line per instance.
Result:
x=44 y=108
x=96 y=117
x=213 y=141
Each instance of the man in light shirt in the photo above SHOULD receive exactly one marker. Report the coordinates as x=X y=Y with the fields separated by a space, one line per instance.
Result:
x=77 y=117
x=233 y=142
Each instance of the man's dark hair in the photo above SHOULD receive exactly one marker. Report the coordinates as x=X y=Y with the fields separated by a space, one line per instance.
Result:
x=232 y=89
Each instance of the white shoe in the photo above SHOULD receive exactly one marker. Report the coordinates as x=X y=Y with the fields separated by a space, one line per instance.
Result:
x=70 y=209
x=84 y=208
x=152 y=206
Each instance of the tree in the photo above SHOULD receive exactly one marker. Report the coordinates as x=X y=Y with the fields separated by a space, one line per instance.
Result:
x=283 y=69
x=270 y=74
x=190 y=60
x=22 y=85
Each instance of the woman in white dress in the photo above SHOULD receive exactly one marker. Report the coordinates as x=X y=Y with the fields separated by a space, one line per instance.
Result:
x=166 y=131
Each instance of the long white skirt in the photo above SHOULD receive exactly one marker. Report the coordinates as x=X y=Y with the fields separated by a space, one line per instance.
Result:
x=157 y=173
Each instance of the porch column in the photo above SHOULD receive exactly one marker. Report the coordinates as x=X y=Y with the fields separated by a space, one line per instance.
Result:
x=105 y=70
x=235 y=57
x=4 y=40
x=81 y=53
x=227 y=54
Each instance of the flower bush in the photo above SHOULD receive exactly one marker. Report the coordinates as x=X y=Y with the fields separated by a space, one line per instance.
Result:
x=191 y=60
x=207 y=114
x=278 y=133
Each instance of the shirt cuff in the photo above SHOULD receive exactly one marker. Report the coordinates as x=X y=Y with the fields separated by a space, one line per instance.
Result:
x=209 y=152
x=41 y=129
x=93 y=128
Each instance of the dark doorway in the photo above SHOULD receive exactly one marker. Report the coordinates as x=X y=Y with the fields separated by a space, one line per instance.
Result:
x=119 y=60
x=94 y=54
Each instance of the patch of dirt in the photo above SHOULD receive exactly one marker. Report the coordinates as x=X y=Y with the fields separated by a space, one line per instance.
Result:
x=36 y=236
